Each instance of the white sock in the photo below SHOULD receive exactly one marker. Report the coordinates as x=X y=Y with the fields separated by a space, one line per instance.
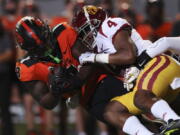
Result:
x=82 y=133
x=133 y=126
x=164 y=44
x=162 y=110
x=103 y=133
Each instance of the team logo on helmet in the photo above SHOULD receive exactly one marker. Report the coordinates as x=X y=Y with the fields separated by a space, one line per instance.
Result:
x=92 y=9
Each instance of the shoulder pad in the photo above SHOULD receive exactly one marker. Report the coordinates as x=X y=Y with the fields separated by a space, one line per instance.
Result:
x=111 y=25
x=58 y=29
x=28 y=61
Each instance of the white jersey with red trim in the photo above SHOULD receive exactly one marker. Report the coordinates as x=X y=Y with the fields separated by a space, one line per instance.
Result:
x=108 y=30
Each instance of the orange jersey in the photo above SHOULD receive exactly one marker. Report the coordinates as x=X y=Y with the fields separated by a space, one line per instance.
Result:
x=66 y=40
x=29 y=69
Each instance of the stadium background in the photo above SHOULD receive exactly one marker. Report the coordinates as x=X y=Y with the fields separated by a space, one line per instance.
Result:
x=27 y=116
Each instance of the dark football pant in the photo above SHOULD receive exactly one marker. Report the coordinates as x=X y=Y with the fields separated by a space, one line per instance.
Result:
x=107 y=89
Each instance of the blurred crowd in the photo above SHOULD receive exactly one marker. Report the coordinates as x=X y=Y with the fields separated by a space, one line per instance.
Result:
x=12 y=93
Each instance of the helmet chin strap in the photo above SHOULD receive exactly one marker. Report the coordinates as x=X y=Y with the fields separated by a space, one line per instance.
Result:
x=56 y=59
x=88 y=19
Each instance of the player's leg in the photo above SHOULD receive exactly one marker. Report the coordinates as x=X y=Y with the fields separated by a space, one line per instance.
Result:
x=113 y=112
x=49 y=123
x=119 y=116
x=29 y=114
x=164 y=44
x=148 y=102
x=153 y=84
x=80 y=121
x=103 y=128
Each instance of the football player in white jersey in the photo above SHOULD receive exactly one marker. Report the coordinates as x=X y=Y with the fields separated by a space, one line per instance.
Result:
x=115 y=42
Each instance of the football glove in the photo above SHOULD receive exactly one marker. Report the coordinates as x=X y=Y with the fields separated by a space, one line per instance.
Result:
x=64 y=80
x=55 y=80
x=87 y=57
x=130 y=76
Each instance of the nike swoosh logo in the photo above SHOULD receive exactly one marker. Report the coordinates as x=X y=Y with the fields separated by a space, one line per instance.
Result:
x=142 y=63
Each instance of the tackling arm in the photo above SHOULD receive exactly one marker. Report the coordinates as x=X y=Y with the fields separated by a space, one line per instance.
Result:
x=125 y=52
x=160 y=46
x=125 y=47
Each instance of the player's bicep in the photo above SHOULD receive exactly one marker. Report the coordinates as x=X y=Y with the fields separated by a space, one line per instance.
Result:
x=125 y=49
x=122 y=40
x=37 y=89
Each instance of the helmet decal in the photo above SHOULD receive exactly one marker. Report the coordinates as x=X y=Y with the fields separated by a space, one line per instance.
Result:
x=34 y=35
x=31 y=32
x=87 y=22
x=91 y=9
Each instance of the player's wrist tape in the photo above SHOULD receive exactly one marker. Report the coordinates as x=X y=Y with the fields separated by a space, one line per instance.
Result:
x=142 y=60
x=102 y=58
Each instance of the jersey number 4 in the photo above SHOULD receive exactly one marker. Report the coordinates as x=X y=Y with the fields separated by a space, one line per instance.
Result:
x=111 y=23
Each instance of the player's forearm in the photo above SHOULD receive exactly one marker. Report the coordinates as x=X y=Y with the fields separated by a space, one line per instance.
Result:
x=49 y=101
x=122 y=58
x=164 y=44
x=40 y=92
x=119 y=58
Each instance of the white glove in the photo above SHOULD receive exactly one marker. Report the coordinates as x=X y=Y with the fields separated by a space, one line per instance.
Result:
x=130 y=76
x=128 y=86
x=87 y=57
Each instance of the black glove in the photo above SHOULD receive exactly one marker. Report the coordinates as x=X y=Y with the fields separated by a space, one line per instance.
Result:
x=55 y=80
x=142 y=60
x=72 y=81
x=64 y=80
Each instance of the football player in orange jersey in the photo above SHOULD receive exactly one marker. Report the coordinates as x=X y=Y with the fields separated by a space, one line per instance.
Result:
x=44 y=52
x=47 y=49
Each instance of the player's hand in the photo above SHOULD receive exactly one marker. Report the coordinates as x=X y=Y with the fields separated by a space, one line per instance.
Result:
x=63 y=80
x=55 y=79
x=73 y=102
x=130 y=76
x=87 y=57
